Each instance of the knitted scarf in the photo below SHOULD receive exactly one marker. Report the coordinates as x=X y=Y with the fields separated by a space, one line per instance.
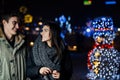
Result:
x=44 y=55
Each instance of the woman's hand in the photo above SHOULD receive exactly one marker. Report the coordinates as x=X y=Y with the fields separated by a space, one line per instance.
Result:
x=55 y=74
x=45 y=70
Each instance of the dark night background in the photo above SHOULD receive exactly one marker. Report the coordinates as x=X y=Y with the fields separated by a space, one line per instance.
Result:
x=49 y=9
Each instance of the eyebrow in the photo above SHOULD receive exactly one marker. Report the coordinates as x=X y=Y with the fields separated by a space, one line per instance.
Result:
x=46 y=29
x=15 y=21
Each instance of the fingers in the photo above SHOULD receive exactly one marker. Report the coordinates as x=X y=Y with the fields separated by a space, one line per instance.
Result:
x=54 y=71
x=45 y=70
x=56 y=74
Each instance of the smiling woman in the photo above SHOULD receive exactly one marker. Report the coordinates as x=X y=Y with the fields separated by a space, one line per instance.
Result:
x=48 y=54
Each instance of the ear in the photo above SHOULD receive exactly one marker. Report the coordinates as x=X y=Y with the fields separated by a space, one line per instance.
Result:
x=3 y=21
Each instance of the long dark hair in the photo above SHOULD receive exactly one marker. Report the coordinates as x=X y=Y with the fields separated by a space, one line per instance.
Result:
x=57 y=41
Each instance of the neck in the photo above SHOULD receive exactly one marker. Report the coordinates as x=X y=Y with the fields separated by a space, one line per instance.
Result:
x=49 y=43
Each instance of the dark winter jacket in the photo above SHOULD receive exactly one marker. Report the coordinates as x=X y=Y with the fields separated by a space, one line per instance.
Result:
x=42 y=55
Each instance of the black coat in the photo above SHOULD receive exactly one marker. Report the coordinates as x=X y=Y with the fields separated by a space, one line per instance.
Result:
x=66 y=66
x=32 y=69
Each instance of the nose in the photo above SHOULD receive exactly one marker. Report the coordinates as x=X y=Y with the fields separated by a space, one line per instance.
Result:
x=17 y=26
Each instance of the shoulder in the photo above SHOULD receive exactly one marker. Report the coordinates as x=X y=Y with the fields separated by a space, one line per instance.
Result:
x=38 y=39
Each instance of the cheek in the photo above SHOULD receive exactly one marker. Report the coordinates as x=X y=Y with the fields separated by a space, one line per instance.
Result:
x=45 y=37
x=9 y=28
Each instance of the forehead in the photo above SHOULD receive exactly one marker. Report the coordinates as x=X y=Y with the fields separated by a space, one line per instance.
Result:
x=46 y=27
x=13 y=18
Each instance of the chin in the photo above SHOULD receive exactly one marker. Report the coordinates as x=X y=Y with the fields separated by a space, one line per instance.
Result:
x=43 y=40
x=14 y=33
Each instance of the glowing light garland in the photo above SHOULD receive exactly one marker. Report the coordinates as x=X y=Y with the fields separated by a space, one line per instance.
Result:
x=103 y=60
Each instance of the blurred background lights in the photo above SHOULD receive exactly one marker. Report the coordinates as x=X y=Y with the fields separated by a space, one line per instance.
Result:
x=110 y=2
x=40 y=23
x=23 y=9
x=37 y=29
x=118 y=29
x=62 y=19
x=28 y=18
x=88 y=29
x=31 y=43
x=27 y=28
x=69 y=18
x=72 y=48
x=87 y=2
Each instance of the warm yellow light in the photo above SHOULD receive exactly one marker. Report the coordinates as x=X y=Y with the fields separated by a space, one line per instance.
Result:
x=97 y=54
x=23 y=9
x=31 y=43
x=72 y=48
x=40 y=23
x=28 y=18
x=27 y=28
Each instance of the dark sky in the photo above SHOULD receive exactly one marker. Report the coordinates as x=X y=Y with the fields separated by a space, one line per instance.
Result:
x=49 y=9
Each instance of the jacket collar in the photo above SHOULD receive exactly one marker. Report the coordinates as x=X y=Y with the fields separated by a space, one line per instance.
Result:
x=1 y=33
x=18 y=38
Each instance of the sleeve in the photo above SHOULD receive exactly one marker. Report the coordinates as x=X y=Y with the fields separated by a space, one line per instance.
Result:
x=66 y=66
x=32 y=69
x=40 y=56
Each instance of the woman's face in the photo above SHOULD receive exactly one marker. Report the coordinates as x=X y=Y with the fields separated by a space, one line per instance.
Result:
x=45 y=33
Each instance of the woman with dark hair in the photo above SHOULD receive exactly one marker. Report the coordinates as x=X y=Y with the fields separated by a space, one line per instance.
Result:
x=47 y=54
